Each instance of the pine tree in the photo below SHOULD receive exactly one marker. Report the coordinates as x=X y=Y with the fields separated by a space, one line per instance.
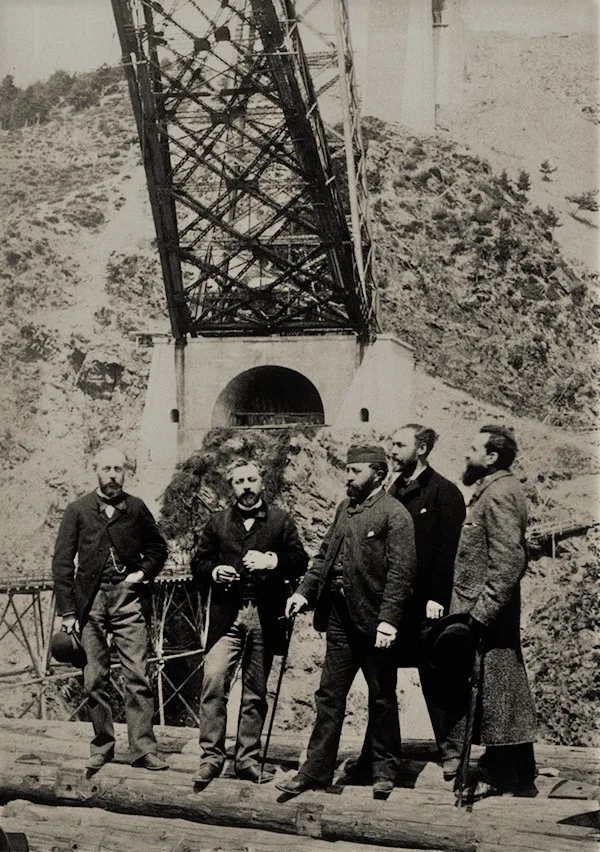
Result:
x=585 y=201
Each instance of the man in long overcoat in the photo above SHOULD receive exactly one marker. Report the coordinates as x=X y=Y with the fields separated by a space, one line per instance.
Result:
x=108 y=551
x=358 y=585
x=250 y=557
x=490 y=563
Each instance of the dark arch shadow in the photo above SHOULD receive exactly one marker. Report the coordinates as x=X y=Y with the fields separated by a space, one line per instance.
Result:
x=268 y=396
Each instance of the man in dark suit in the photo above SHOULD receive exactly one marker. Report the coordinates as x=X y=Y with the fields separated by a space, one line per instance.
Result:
x=437 y=508
x=119 y=551
x=358 y=584
x=250 y=558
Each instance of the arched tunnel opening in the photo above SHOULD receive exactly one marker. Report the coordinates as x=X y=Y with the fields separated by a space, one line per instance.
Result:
x=268 y=396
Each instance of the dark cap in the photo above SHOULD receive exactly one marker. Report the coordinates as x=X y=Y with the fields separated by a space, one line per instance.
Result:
x=449 y=643
x=369 y=453
x=66 y=648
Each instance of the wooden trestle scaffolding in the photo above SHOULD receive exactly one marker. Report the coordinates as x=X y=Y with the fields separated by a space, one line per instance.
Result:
x=27 y=617
x=28 y=613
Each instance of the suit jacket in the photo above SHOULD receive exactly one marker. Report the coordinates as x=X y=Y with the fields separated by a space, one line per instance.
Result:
x=379 y=563
x=490 y=563
x=84 y=532
x=225 y=541
x=438 y=510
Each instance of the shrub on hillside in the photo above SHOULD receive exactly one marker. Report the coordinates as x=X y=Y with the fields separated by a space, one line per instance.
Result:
x=563 y=649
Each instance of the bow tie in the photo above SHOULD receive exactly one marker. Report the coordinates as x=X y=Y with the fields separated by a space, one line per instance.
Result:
x=249 y=513
x=111 y=501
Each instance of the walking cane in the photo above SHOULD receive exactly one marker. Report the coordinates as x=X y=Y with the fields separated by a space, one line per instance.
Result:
x=463 y=769
x=277 y=691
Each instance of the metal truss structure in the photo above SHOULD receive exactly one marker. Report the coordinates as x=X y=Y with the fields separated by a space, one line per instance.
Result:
x=49 y=689
x=248 y=120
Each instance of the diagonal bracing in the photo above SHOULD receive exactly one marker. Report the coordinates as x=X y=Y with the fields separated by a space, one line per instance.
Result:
x=254 y=161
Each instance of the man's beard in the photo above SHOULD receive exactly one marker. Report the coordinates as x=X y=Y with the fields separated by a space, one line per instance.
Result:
x=472 y=473
x=111 y=489
x=248 y=499
x=406 y=468
x=356 y=494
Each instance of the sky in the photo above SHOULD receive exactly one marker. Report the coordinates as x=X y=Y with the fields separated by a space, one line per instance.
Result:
x=38 y=37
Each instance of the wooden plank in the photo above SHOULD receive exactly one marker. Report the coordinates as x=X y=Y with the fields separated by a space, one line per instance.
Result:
x=412 y=774
x=583 y=763
x=95 y=830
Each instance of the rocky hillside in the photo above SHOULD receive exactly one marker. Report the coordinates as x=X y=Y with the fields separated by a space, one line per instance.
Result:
x=470 y=276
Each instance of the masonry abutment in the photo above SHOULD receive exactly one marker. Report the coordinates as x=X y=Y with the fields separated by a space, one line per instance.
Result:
x=329 y=379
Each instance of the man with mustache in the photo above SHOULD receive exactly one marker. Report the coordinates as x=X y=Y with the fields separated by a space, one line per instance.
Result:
x=490 y=563
x=358 y=584
x=249 y=557
x=437 y=508
x=119 y=551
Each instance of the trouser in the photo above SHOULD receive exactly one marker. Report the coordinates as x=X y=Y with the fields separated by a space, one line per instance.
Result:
x=445 y=700
x=117 y=609
x=348 y=651
x=509 y=765
x=242 y=642
x=444 y=697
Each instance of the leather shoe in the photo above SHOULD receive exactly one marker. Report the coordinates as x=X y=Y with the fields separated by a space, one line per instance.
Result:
x=151 y=761
x=97 y=761
x=296 y=785
x=205 y=774
x=354 y=772
x=253 y=773
x=382 y=788
x=481 y=790
x=450 y=768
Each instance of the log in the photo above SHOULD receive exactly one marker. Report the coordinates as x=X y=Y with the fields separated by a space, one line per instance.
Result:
x=408 y=819
x=93 y=830
x=401 y=824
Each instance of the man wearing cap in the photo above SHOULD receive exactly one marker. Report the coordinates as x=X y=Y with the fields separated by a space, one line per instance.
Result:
x=358 y=584
x=250 y=557
x=490 y=563
x=437 y=508
x=115 y=542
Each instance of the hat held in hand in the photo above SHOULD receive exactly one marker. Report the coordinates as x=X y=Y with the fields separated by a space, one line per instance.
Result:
x=66 y=648
x=449 y=642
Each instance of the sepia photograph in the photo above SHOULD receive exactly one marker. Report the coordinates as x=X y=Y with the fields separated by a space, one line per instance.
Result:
x=299 y=441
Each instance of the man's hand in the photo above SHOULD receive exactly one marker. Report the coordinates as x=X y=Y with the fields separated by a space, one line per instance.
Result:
x=134 y=577
x=295 y=603
x=225 y=574
x=434 y=610
x=69 y=623
x=386 y=635
x=256 y=560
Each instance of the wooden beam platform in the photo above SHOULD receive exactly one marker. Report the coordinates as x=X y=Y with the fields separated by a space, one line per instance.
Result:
x=43 y=762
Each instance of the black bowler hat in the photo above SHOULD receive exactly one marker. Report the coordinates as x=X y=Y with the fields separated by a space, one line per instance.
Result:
x=449 y=643
x=66 y=648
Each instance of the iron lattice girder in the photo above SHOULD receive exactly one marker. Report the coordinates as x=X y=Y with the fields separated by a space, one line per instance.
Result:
x=249 y=190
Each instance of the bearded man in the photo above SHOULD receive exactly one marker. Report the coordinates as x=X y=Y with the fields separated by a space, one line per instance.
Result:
x=113 y=539
x=358 y=584
x=437 y=509
x=490 y=564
